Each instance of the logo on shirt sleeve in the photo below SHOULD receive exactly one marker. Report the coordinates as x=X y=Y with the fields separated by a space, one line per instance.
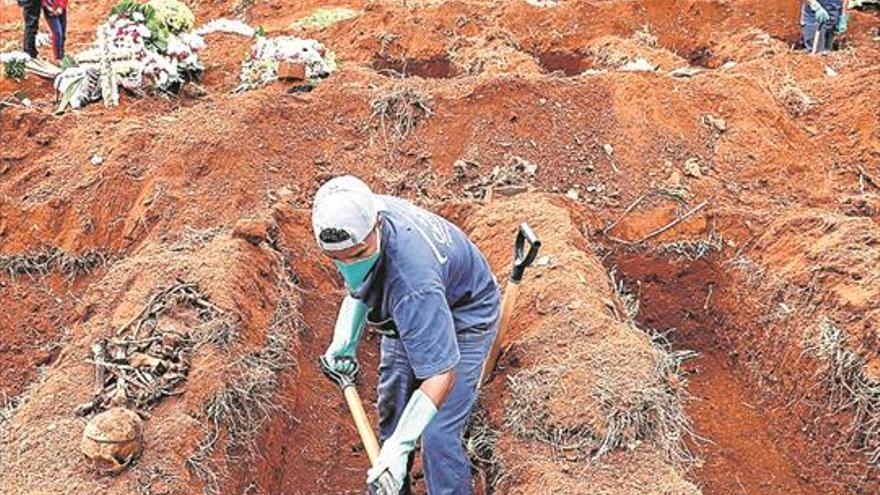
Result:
x=433 y=230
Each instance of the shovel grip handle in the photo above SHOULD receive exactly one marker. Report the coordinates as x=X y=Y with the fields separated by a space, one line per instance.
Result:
x=522 y=258
x=343 y=380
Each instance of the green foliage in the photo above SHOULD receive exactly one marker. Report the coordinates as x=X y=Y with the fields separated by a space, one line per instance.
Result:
x=14 y=69
x=326 y=16
x=126 y=7
x=158 y=29
x=173 y=14
x=67 y=95
x=68 y=62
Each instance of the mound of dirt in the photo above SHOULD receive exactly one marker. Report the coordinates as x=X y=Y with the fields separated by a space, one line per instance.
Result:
x=229 y=389
x=818 y=347
x=614 y=52
x=748 y=45
x=583 y=393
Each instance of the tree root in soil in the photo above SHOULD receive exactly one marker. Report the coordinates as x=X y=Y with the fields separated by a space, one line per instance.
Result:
x=52 y=259
x=480 y=439
x=606 y=231
x=248 y=400
x=847 y=386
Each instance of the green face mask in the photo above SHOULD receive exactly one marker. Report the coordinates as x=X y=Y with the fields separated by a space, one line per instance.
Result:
x=355 y=272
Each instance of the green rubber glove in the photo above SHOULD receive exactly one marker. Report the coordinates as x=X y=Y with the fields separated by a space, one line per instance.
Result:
x=822 y=16
x=842 y=23
x=387 y=476
x=346 y=335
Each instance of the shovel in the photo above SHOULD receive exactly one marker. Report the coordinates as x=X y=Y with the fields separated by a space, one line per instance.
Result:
x=346 y=383
x=816 y=38
x=521 y=260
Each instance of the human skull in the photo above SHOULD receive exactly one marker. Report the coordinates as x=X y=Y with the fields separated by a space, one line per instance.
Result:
x=112 y=440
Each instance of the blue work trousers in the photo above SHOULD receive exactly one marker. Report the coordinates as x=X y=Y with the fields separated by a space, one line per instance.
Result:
x=809 y=25
x=446 y=464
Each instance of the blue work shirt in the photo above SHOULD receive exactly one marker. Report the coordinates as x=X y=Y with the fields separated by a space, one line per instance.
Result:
x=831 y=5
x=432 y=282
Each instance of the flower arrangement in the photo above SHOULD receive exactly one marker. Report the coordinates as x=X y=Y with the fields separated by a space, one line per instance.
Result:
x=148 y=46
x=261 y=64
x=159 y=57
x=14 y=63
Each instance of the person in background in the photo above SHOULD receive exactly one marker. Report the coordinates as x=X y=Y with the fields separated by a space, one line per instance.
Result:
x=820 y=21
x=55 y=12
x=31 y=13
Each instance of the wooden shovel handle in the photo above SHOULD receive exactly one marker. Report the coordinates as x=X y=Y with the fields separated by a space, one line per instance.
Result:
x=371 y=445
x=507 y=304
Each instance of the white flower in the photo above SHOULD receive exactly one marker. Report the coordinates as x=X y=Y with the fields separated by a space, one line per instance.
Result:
x=175 y=47
x=14 y=56
x=194 y=41
x=138 y=17
x=144 y=31
x=226 y=26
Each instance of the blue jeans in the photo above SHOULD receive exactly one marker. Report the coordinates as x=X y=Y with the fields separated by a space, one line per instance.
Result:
x=447 y=468
x=58 y=29
x=809 y=25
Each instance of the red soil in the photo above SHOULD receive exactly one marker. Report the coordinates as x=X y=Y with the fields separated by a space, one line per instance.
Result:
x=505 y=82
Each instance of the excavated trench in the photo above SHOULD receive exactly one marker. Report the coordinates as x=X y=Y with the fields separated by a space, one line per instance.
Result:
x=322 y=439
x=738 y=443
x=759 y=408
x=571 y=63
x=307 y=444
x=439 y=67
x=741 y=450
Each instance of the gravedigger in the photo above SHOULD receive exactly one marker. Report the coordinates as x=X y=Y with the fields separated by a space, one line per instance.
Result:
x=416 y=279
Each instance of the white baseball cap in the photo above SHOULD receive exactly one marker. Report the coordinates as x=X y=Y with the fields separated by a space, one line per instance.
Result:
x=344 y=213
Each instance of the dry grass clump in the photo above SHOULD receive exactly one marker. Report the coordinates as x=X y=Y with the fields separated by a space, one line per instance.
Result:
x=598 y=399
x=399 y=110
x=495 y=49
x=693 y=249
x=794 y=99
x=646 y=37
x=480 y=441
x=848 y=385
